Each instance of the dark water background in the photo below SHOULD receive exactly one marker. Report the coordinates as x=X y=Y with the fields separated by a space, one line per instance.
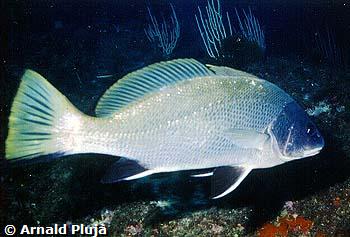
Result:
x=35 y=32
x=70 y=42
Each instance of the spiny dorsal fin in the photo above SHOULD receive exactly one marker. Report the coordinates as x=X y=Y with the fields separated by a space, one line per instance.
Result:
x=135 y=85
x=227 y=71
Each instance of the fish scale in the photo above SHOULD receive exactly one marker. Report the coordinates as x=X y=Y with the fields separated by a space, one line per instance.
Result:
x=159 y=121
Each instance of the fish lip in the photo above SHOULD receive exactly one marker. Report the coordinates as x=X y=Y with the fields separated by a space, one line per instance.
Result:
x=312 y=152
x=308 y=153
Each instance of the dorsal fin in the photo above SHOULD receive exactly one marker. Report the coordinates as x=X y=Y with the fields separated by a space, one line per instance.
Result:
x=137 y=84
x=227 y=71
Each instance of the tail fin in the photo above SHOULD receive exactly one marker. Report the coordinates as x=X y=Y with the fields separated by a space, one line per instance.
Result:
x=35 y=123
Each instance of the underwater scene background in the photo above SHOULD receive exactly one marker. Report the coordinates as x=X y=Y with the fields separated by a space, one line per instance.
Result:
x=83 y=47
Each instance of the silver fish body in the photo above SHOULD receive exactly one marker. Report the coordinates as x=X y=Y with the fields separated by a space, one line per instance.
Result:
x=189 y=125
x=177 y=115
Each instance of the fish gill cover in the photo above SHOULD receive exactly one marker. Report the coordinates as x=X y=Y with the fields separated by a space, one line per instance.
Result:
x=216 y=54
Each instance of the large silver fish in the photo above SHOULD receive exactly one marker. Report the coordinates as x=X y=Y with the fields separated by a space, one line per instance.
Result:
x=169 y=116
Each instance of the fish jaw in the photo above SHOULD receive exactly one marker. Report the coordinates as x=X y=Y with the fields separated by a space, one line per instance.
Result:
x=312 y=152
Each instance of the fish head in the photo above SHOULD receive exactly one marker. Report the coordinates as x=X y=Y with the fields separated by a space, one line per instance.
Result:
x=295 y=134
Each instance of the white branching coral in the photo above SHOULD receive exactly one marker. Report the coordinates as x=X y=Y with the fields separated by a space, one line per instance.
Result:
x=164 y=35
x=213 y=29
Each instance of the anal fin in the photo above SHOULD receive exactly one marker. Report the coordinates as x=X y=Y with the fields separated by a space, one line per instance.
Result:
x=202 y=175
x=226 y=179
x=125 y=169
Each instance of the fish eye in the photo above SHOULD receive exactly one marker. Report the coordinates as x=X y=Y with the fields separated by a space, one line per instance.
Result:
x=311 y=129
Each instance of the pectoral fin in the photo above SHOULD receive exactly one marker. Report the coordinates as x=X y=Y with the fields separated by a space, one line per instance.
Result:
x=125 y=169
x=247 y=138
x=226 y=179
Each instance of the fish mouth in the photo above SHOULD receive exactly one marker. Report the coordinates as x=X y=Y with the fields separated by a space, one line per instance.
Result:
x=312 y=152
x=305 y=154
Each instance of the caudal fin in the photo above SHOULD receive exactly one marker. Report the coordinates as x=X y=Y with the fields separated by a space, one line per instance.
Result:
x=35 y=123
